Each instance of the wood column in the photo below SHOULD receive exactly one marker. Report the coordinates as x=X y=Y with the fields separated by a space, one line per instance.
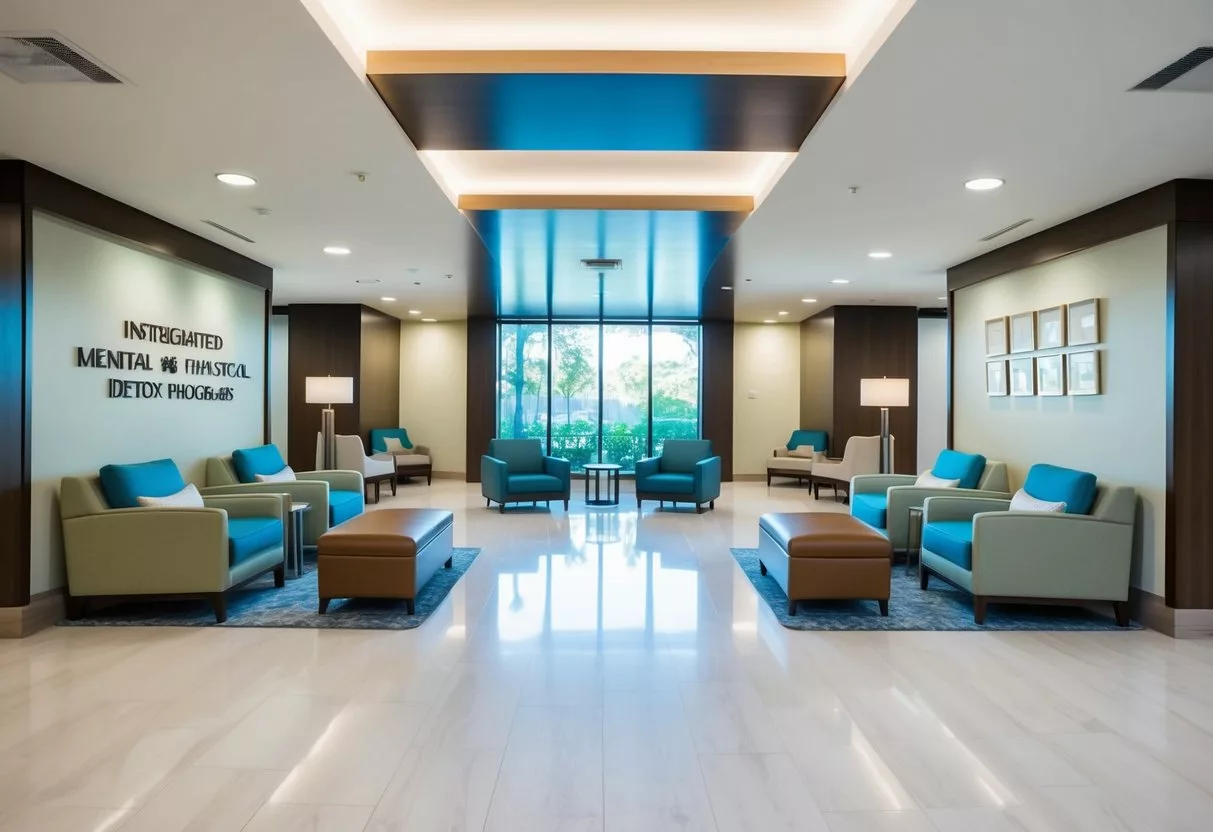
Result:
x=716 y=382
x=481 y=392
x=15 y=312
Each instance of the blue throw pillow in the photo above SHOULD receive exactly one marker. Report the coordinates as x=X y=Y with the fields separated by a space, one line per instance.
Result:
x=249 y=462
x=954 y=465
x=1054 y=484
x=123 y=485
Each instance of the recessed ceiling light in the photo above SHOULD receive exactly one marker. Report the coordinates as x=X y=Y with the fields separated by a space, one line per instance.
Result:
x=414 y=311
x=336 y=250
x=768 y=322
x=945 y=297
x=388 y=300
x=984 y=183
x=781 y=312
x=880 y=255
x=839 y=281
x=727 y=288
x=429 y=320
x=808 y=300
x=237 y=179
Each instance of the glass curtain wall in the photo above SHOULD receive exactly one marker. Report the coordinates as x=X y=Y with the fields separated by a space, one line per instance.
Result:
x=599 y=392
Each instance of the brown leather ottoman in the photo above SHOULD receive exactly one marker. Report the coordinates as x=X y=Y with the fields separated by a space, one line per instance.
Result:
x=389 y=553
x=814 y=555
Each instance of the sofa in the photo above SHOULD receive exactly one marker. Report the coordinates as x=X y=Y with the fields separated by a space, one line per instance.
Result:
x=686 y=472
x=414 y=461
x=883 y=501
x=115 y=547
x=333 y=496
x=517 y=471
x=795 y=459
x=1077 y=555
x=860 y=456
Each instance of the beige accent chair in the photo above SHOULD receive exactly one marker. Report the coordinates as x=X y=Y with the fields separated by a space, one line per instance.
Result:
x=351 y=456
x=861 y=456
x=163 y=551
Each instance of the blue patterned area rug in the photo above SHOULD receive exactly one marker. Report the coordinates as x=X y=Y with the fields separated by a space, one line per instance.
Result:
x=261 y=604
x=940 y=607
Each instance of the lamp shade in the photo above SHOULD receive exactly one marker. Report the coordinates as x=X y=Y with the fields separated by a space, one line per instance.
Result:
x=329 y=390
x=884 y=392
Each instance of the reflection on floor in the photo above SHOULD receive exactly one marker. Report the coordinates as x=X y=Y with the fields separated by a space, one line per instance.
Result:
x=597 y=670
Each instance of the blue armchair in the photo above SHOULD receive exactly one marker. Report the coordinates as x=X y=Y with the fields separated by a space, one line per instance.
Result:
x=1074 y=556
x=686 y=472
x=516 y=471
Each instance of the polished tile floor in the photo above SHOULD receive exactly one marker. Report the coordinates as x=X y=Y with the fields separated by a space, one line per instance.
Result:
x=600 y=671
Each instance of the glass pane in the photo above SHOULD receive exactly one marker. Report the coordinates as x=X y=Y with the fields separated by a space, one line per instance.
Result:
x=625 y=394
x=575 y=393
x=523 y=391
x=675 y=384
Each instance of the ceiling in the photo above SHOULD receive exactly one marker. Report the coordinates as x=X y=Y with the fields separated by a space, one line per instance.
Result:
x=1033 y=92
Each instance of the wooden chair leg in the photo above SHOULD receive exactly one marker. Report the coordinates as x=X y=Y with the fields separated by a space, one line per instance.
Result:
x=76 y=607
x=762 y=568
x=219 y=605
x=324 y=605
x=410 y=606
x=884 y=607
x=791 y=607
x=393 y=486
x=923 y=575
x=280 y=575
x=449 y=562
x=979 y=609
x=1121 y=609
x=566 y=505
x=712 y=505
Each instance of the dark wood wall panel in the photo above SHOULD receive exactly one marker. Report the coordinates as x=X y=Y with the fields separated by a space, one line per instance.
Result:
x=872 y=342
x=14 y=405
x=817 y=374
x=481 y=391
x=716 y=368
x=1189 y=511
x=325 y=340
x=379 y=405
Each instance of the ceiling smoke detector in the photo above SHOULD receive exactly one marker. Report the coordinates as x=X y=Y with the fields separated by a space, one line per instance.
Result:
x=50 y=58
x=602 y=264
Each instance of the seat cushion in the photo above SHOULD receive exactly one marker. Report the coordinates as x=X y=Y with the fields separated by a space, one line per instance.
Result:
x=871 y=509
x=668 y=484
x=412 y=459
x=789 y=463
x=380 y=434
x=811 y=534
x=521 y=456
x=249 y=462
x=343 y=505
x=388 y=532
x=817 y=438
x=954 y=465
x=248 y=536
x=534 y=484
x=951 y=540
x=1062 y=485
x=679 y=456
x=123 y=485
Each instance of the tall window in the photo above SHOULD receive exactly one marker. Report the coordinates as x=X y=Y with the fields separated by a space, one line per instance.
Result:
x=599 y=392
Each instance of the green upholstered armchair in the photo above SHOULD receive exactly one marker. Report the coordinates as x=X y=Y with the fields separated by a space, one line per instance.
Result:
x=883 y=501
x=114 y=548
x=686 y=472
x=334 y=496
x=1081 y=554
x=516 y=471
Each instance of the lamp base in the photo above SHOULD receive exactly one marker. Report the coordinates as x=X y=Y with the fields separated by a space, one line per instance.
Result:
x=886 y=462
x=328 y=438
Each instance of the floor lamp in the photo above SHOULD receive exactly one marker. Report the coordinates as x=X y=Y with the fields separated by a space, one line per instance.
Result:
x=328 y=391
x=884 y=393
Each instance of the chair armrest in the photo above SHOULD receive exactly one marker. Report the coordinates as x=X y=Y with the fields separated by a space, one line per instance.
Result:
x=314 y=492
x=494 y=478
x=420 y=450
x=147 y=550
x=780 y=452
x=707 y=479
x=942 y=509
x=251 y=505
x=337 y=480
x=1043 y=554
x=879 y=483
x=647 y=467
x=558 y=467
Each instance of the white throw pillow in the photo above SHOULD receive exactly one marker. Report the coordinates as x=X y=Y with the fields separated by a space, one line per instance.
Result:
x=802 y=451
x=287 y=474
x=393 y=445
x=1023 y=501
x=188 y=497
x=929 y=480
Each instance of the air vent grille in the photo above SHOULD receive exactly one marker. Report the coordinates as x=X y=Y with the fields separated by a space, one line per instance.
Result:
x=47 y=58
x=1006 y=230
x=1177 y=70
x=227 y=230
x=602 y=264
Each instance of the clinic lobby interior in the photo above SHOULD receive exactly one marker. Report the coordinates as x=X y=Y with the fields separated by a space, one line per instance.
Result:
x=673 y=416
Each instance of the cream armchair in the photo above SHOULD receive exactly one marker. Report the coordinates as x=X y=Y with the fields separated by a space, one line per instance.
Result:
x=795 y=459
x=861 y=456
x=351 y=456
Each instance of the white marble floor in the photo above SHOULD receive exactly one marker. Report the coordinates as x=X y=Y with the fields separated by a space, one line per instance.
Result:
x=599 y=671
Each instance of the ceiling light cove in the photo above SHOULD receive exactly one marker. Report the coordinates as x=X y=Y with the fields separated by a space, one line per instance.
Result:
x=984 y=183
x=782 y=312
x=414 y=311
x=339 y=251
x=880 y=255
x=239 y=180
x=838 y=281
x=808 y=300
x=429 y=320
x=768 y=321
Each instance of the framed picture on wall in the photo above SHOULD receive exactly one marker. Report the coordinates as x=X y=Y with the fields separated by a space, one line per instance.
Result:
x=1051 y=328
x=996 y=378
x=1050 y=375
x=1023 y=332
x=1083 y=323
x=1083 y=373
x=996 y=336
x=1023 y=377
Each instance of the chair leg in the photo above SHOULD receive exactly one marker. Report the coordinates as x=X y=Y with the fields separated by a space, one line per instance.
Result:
x=979 y=609
x=699 y=509
x=219 y=605
x=884 y=607
x=449 y=562
x=501 y=508
x=923 y=575
x=712 y=505
x=280 y=575
x=639 y=504
x=768 y=479
x=566 y=505
x=1121 y=609
x=76 y=607
x=410 y=606
x=324 y=605
x=393 y=486
x=791 y=607
x=762 y=568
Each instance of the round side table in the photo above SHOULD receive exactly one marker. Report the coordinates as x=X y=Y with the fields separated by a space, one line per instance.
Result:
x=598 y=469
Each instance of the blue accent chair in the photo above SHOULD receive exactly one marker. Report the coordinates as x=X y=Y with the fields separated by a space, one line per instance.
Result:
x=516 y=471
x=1082 y=554
x=883 y=501
x=686 y=472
